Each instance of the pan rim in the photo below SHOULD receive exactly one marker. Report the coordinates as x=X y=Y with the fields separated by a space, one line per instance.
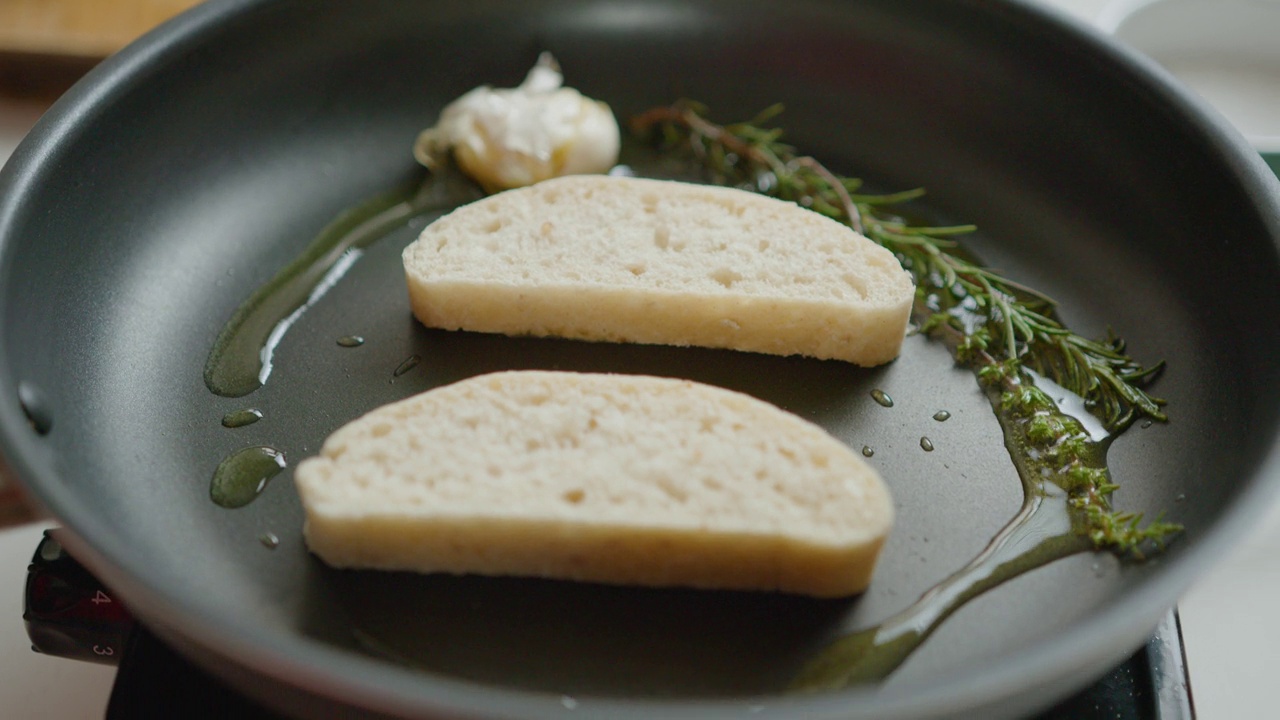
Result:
x=343 y=676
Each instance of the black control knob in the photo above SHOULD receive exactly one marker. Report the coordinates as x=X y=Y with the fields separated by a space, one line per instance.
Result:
x=68 y=613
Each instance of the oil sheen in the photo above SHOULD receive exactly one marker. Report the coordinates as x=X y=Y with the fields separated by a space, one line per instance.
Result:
x=1045 y=529
x=242 y=476
x=241 y=418
x=241 y=358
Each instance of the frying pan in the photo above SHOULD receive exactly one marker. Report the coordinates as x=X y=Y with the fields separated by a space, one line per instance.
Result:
x=184 y=172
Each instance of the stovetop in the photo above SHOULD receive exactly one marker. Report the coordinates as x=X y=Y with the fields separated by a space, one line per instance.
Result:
x=69 y=614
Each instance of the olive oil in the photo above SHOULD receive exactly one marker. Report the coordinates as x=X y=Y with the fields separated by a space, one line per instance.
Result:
x=239 y=362
x=409 y=363
x=241 y=418
x=1046 y=529
x=243 y=475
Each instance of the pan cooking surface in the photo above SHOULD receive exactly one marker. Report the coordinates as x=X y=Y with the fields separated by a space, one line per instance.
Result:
x=131 y=244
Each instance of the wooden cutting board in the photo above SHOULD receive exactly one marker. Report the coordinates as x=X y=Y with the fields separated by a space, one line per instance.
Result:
x=79 y=28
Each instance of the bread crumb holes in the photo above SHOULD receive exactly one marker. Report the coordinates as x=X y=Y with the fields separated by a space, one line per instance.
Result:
x=725 y=276
x=662 y=237
x=858 y=284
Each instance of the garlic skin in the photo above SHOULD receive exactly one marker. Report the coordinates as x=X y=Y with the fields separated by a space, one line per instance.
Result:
x=511 y=137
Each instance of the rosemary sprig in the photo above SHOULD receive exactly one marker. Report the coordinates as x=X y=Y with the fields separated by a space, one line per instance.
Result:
x=994 y=324
x=1000 y=316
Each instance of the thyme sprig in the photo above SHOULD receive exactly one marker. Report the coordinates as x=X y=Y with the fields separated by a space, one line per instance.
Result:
x=995 y=325
x=1002 y=317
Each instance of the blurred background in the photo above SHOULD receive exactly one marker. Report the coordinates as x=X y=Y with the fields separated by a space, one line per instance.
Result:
x=1230 y=628
x=79 y=28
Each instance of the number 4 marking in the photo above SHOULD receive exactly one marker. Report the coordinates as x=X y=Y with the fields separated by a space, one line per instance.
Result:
x=100 y=597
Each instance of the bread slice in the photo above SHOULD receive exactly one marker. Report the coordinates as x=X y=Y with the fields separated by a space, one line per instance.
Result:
x=649 y=261
x=619 y=479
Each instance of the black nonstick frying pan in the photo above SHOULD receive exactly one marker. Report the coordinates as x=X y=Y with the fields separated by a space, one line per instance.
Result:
x=183 y=173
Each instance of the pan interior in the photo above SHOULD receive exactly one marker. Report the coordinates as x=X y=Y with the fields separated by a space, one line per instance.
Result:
x=167 y=202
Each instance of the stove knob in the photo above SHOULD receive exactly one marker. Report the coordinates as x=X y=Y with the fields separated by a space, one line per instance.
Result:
x=68 y=613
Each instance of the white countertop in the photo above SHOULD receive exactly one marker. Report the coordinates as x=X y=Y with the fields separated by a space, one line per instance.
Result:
x=1230 y=621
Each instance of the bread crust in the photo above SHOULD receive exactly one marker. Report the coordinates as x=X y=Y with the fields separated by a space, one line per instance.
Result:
x=614 y=555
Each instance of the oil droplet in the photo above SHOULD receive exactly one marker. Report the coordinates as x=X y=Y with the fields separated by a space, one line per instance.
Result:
x=1182 y=497
x=926 y=444
x=1146 y=424
x=35 y=408
x=942 y=416
x=867 y=451
x=350 y=341
x=243 y=475
x=269 y=540
x=409 y=363
x=240 y=418
x=882 y=397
